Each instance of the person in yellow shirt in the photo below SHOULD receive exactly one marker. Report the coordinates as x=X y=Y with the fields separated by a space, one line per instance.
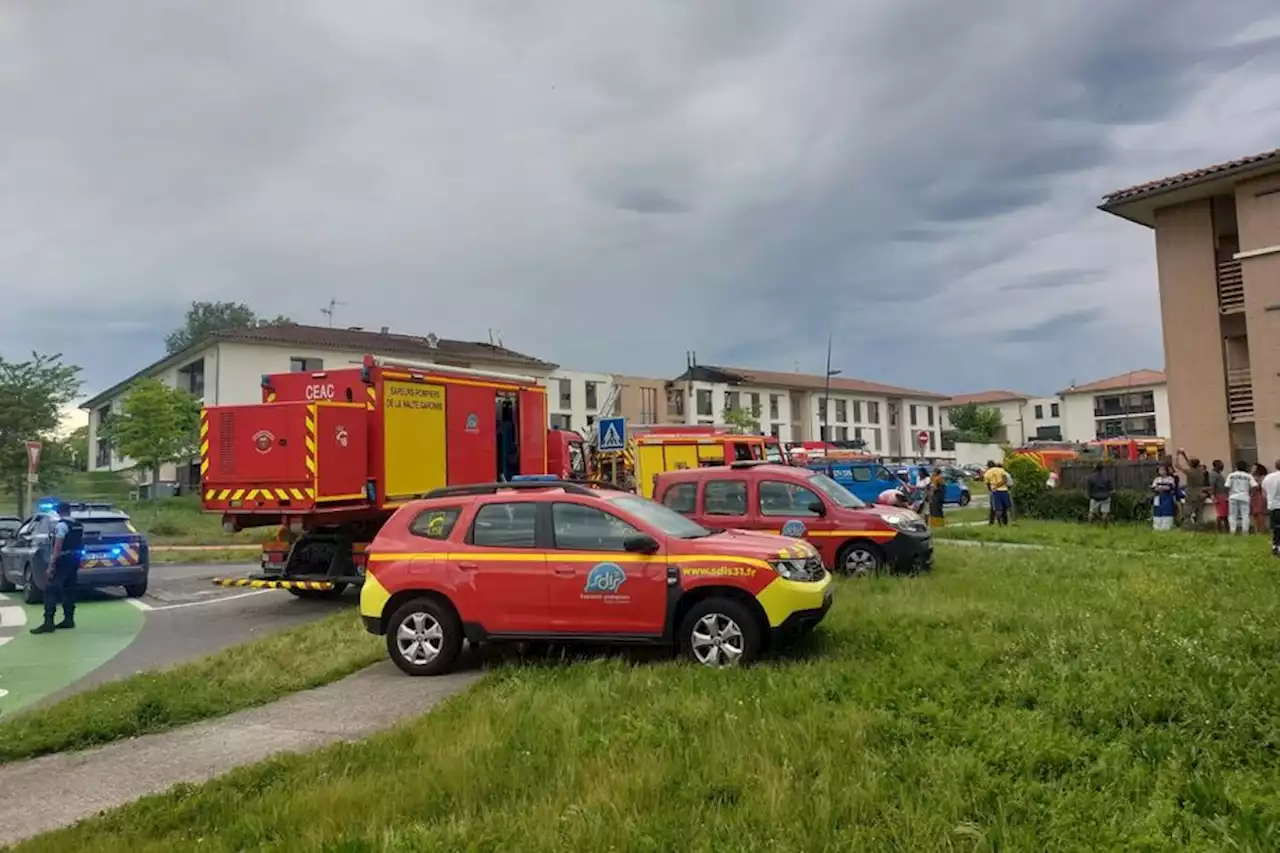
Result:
x=997 y=480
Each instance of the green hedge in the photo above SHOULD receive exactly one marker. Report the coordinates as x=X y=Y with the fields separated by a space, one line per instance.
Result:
x=1032 y=498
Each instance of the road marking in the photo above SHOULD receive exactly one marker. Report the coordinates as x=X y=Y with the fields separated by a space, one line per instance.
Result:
x=207 y=601
x=140 y=604
x=12 y=617
x=4 y=640
x=3 y=597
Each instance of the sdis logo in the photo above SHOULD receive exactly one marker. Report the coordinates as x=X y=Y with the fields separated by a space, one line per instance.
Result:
x=605 y=578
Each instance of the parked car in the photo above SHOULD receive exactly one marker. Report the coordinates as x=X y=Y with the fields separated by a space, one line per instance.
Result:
x=114 y=553
x=853 y=537
x=9 y=525
x=957 y=490
x=541 y=560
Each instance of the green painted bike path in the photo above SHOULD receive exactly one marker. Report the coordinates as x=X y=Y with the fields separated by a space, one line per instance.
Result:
x=33 y=667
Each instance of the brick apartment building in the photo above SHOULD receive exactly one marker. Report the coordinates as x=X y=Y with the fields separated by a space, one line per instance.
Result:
x=1217 y=236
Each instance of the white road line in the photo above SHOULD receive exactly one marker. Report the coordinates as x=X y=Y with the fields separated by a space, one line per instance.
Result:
x=208 y=601
x=3 y=693
x=4 y=640
x=3 y=597
x=12 y=617
x=140 y=604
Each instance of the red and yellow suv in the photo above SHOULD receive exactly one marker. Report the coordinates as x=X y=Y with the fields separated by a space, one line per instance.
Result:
x=853 y=538
x=557 y=561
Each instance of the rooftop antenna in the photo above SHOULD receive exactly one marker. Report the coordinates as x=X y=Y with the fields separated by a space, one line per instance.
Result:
x=328 y=312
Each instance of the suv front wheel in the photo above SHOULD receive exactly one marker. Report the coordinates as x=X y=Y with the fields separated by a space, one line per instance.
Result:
x=720 y=632
x=424 y=637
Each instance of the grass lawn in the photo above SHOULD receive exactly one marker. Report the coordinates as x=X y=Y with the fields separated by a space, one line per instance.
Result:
x=1119 y=537
x=1012 y=700
x=231 y=680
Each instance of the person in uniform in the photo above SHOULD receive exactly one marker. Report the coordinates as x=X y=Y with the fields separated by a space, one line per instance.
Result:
x=64 y=567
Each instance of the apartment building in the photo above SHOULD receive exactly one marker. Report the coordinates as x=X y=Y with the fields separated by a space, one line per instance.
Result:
x=227 y=368
x=1217 y=239
x=798 y=407
x=576 y=399
x=1132 y=404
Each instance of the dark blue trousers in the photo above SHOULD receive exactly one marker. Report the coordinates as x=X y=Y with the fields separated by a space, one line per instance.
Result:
x=62 y=590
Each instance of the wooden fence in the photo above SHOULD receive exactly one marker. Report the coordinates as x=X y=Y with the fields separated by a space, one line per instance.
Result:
x=1135 y=476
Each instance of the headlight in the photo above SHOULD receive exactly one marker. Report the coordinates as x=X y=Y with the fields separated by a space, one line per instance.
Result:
x=905 y=520
x=798 y=568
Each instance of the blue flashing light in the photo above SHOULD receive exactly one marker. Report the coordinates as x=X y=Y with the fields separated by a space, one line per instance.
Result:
x=47 y=505
x=534 y=478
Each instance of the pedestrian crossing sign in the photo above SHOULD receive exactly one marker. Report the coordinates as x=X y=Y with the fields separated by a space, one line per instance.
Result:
x=611 y=433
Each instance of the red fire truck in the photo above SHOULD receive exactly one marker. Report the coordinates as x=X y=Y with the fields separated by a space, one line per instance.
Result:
x=327 y=457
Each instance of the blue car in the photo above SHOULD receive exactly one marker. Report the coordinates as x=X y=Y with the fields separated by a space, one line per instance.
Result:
x=865 y=478
x=114 y=553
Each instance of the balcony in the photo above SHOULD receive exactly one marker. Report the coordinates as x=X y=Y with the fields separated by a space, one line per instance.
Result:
x=1230 y=287
x=1239 y=395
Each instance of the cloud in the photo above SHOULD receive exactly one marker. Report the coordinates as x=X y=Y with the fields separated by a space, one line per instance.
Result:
x=613 y=184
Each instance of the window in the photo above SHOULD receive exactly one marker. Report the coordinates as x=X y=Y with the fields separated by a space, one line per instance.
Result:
x=1053 y=410
x=873 y=414
x=893 y=415
x=102 y=453
x=857 y=433
x=704 y=403
x=566 y=394
x=857 y=411
x=559 y=422
x=842 y=433
x=822 y=409
x=842 y=411
x=725 y=497
x=648 y=406
x=505 y=525
x=675 y=402
x=592 y=405
x=775 y=430
x=301 y=364
x=191 y=378
x=117 y=526
x=838 y=494
x=1039 y=412
x=1117 y=405
x=584 y=528
x=786 y=499
x=860 y=474
x=656 y=515
x=929 y=411
x=732 y=400
x=682 y=497
x=875 y=440
x=933 y=442
x=435 y=523
x=773 y=407
x=822 y=433
x=913 y=415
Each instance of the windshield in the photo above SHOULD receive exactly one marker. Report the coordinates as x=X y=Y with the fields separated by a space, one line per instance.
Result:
x=107 y=526
x=658 y=516
x=838 y=494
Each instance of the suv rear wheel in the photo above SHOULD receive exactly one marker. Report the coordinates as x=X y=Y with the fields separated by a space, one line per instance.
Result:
x=859 y=560
x=31 y=594
x=720 y=632
x=424 y=637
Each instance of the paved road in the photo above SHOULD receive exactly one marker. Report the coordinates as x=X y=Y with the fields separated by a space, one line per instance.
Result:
x=183 y=616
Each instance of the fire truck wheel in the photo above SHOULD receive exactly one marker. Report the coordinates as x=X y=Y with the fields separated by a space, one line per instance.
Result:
x=320 y=594
x=424 y=637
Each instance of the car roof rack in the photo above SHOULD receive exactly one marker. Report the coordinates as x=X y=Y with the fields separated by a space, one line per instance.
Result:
x=750 y=463
x=518 y=486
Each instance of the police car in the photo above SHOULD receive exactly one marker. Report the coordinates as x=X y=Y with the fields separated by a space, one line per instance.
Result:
x=113 y=553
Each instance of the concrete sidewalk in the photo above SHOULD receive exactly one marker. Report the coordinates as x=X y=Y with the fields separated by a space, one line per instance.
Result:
x=59 y=790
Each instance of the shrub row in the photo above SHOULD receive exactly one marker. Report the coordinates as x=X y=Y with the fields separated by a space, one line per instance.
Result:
x=1032 y=498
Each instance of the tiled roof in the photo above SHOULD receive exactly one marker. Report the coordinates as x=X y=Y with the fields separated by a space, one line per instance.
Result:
x=1142 y=378
x=814 y=382
x=1195 y=175
x=352 y=340
x=983 y=397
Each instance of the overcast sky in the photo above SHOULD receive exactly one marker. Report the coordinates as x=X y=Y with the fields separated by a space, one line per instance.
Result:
x=613 y=183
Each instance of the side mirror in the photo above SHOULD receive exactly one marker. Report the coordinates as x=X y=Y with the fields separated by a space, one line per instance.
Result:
x=640 y=544
x=818 y=508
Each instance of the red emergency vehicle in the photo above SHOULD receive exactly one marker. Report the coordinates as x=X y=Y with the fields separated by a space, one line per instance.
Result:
x=328 y=456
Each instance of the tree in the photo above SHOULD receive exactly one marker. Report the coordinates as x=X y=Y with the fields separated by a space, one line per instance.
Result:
x=742 y=421
x=77 y=448
x=205 y=318
x=32 y=396
x=156 y=424
x=976 y=423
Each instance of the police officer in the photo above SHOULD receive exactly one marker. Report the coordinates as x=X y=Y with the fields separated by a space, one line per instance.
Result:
x=64 y=566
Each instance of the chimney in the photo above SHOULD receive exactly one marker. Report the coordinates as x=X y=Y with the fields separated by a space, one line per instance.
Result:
x=384 y=330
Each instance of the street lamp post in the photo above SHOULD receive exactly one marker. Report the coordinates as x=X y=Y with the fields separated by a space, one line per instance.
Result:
x=826 y=395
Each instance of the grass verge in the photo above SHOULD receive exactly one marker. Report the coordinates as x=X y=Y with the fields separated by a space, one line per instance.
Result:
x=1015 y=701
x=236 y=678
x=1118 y=538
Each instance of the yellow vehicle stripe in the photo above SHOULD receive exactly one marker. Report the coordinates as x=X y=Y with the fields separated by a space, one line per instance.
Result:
x=532 y=556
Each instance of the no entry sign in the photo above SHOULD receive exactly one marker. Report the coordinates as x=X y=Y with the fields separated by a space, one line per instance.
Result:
x=922 y=437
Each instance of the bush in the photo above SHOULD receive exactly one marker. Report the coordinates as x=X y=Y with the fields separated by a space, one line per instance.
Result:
x=1073 y=505
x=1029 y=483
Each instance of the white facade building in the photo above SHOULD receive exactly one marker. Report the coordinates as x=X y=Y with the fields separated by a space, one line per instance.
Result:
x=576 y=399
x=1132 y=404
x=227 y=369
x=796 y=407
